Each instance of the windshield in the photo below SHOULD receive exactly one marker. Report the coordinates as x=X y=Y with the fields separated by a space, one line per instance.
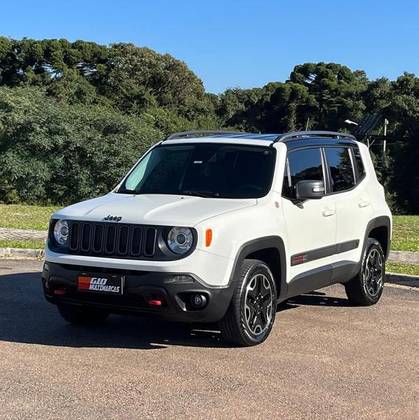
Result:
x=207 y=170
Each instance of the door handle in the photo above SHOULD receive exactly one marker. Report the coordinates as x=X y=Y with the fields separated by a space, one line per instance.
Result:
x=363 y=203
x=328 y=212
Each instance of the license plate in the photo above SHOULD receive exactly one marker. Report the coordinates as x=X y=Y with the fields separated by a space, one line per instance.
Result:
x=101 y=284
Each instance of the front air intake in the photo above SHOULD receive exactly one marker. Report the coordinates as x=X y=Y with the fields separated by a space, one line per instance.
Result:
x=112 y=239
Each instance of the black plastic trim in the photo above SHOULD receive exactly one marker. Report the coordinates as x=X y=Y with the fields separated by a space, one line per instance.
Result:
x=138 y=287
x=326 y=251
x=260 y=244
x=381 y=221
x=326 y=275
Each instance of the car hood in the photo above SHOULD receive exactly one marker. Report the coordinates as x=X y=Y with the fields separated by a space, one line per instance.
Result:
x=153 y=209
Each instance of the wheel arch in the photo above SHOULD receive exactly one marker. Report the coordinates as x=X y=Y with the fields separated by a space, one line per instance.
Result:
x=270 y=250
x=379 y=229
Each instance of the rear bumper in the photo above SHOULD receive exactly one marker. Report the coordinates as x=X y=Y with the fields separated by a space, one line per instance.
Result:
x=174 y=290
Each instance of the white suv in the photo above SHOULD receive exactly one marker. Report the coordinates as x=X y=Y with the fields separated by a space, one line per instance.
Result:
x=221 y=227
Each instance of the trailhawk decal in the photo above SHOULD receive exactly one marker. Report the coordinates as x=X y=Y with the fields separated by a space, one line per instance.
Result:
x=112 y=285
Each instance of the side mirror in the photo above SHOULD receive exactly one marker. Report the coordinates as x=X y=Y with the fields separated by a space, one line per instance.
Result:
x=309 y=190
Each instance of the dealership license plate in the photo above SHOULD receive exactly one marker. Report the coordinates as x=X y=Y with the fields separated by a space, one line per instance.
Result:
x=113 y=285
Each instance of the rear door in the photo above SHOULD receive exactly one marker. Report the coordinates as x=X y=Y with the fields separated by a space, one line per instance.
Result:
x=353 y=207
x=311 y=224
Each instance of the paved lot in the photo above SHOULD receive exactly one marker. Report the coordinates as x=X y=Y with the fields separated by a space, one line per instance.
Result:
x=324 y=359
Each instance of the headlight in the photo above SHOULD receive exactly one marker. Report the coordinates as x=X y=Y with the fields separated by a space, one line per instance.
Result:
x=180 y=240
x=61 y=232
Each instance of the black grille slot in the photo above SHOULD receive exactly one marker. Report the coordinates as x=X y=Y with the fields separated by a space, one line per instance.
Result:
x=150 y=242
x=136 y=241
x=74 y=236
x=98 y=238
x=113 y=240
x=85 y=237
x=110 y=239
x=123 y=240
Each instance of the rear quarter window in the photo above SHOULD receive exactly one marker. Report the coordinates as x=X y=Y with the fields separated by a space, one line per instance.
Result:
x=359 y=163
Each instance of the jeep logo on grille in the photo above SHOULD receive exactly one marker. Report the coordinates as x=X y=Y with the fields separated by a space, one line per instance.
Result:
x=112 y=218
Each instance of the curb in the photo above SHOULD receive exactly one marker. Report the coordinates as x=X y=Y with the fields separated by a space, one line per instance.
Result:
x=402 y=279
x=21 y=253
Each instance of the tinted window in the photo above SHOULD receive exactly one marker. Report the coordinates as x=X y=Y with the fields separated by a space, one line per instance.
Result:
x=340 y=166
x=358 y=162
x=305 y=164
x=208 y=169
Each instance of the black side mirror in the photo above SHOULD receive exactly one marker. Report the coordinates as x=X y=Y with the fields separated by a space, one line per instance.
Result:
x=309 y=190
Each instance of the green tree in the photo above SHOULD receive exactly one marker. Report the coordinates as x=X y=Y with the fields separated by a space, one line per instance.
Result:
x=50 y=152
x=336 y=89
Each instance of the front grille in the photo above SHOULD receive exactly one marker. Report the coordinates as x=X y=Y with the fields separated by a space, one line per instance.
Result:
x=112 y=240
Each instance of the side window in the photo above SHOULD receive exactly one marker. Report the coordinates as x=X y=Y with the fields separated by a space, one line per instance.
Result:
x=340 y=167
x=304 y=164
x=358 y=162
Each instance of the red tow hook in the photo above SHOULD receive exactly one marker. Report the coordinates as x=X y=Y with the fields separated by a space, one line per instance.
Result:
x=155 y=302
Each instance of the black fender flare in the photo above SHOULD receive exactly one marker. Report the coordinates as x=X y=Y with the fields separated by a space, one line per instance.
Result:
x=381 y=221
x=260 y=244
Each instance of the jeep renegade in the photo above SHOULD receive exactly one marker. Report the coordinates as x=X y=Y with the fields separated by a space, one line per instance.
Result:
x=219 y=227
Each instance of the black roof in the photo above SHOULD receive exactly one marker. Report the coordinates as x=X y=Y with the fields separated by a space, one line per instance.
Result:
x=318 y=142
x=299 y=137
x=222 y=134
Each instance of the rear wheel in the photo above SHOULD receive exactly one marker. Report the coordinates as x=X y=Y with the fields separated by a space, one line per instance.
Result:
x=80 y=315
x=251 y=314
x=367 y=287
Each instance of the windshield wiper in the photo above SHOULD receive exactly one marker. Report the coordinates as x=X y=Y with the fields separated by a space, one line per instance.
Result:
x=126 y=191
x=206 y=194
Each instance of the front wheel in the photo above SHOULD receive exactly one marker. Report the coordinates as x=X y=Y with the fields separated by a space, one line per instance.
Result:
x=251 y=314
x=367 y=287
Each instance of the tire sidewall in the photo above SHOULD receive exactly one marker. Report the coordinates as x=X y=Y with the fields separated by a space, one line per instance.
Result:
x=371 y=245
x=257 y=268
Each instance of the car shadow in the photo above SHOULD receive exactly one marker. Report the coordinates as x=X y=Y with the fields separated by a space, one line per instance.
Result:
x=316 y=298
x=26 y=317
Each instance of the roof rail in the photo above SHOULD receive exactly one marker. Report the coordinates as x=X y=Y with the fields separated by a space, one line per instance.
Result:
x=297 y=134
x=199 y=133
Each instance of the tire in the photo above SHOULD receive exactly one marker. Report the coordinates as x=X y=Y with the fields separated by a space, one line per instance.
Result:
x=251 y=314
x=366 y=287
x=79 y=315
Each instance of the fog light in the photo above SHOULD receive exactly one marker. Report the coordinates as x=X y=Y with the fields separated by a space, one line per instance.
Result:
x=198 y=300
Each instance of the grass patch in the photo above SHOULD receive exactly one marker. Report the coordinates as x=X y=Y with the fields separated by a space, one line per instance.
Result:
x=401 y=268
x=405 y=233
x=22 y=244
x=25 y=217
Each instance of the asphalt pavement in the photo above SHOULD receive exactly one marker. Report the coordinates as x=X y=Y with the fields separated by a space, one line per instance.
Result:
x=324 y=359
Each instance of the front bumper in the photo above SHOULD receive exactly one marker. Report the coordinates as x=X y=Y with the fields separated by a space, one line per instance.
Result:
x=173 y=289
x=214 y=270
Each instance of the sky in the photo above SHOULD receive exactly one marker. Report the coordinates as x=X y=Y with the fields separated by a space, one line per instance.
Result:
x=234 y=43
